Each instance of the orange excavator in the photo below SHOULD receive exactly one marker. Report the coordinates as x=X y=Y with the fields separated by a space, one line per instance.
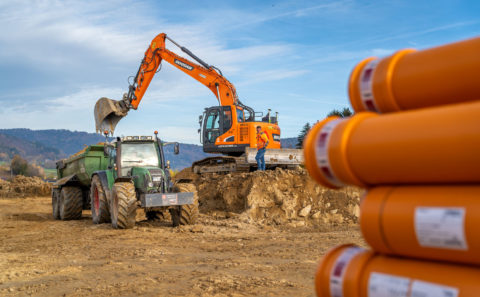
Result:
x=228 y=128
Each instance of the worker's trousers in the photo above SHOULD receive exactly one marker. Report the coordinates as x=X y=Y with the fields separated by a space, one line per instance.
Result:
x=260 y=157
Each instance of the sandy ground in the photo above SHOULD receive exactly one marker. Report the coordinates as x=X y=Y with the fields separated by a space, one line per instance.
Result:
x=216 y=257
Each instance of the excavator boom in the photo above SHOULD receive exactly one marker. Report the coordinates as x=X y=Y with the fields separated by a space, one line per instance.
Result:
x=109 y=112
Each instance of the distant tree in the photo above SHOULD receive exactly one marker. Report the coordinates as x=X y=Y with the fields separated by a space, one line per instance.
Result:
x=3 y=157
x=302 y=134
x=35 y=170
x=19 y=165
x=346 y=112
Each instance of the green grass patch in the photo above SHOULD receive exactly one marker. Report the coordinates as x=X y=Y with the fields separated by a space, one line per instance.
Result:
x=50 y=173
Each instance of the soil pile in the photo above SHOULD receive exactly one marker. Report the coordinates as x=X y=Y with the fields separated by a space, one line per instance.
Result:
x=22 y=186
x=186 y=174
x=278 y=197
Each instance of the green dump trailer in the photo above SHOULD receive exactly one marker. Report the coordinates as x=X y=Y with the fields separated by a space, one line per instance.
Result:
x=115 y=178
x=83 y=165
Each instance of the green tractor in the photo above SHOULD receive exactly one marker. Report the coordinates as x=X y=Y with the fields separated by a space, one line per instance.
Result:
x=116 y=178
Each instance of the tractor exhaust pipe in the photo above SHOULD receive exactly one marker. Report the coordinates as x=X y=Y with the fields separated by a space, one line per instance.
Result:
x=108 y=113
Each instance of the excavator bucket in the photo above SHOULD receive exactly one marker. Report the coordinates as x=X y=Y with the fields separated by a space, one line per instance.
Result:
x=107 y=114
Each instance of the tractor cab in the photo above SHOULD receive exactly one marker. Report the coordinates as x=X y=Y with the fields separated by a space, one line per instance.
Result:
x=141 y=159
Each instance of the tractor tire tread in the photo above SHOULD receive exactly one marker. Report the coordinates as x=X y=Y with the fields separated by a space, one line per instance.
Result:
x=127 y=205
x=104 y=213
x=56 y=204
x=188 y=212
x=72 y=201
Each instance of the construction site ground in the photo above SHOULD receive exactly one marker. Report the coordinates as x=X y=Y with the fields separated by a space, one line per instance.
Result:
x=226 y=253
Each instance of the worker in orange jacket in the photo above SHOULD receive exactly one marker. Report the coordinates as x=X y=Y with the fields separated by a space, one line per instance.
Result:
x=262 y=143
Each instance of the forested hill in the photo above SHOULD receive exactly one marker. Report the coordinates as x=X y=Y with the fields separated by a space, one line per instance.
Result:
x=46 y=146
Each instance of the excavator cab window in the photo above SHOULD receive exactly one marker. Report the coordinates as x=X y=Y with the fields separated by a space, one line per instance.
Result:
x=212 y=125
x=227 y=119
x=217 y=121
x=240 y=115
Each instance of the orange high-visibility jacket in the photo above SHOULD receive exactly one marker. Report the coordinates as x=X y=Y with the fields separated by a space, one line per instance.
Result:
x=262 y=140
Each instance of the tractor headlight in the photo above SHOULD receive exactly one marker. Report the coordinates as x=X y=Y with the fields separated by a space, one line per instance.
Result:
x=150 y=184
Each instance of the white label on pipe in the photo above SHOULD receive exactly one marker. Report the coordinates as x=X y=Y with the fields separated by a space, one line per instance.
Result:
x=425 y=289
x=386 y=285
x=338 y=270
x=366 y=86
x=441 y=227
x=321 y=152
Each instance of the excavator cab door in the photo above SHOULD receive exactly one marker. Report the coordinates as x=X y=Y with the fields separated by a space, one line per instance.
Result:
x=217 y=120
x=211 y=128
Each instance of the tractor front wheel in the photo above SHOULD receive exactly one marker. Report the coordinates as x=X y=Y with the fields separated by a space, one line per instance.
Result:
x=123 y=207
x=185 y=214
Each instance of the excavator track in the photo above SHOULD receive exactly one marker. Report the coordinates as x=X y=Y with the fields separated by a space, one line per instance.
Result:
x=221 y=164
x=283 y=158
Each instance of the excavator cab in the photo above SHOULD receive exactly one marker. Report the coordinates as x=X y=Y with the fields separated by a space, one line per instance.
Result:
x=214 y=122
x=230 y=129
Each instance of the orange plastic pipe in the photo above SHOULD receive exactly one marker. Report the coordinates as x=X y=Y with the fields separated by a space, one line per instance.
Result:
x=354 y=272
x=427 y=222
x=426 y=146
x=412 y=79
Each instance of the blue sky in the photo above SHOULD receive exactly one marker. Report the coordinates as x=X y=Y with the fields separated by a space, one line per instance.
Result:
x=58 y=57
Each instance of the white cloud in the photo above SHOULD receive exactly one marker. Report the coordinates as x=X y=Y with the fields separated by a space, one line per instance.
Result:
x=89 y=41
x=82 y=50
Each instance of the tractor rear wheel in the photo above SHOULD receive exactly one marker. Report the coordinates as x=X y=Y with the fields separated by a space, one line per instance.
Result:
x=99 y=203
x=123 y=207
x=185 y=214
x=70 y=204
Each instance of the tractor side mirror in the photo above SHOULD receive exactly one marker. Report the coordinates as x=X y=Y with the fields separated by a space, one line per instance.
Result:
x=176 y=148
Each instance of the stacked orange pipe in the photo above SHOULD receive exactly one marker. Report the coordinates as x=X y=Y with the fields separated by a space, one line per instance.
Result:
x=426 y=222
x=412 y=79
x=354 y=272
x=427 y=146
x=421 y=168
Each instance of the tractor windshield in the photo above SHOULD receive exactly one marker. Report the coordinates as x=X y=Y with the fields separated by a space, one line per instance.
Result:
x=138 y=155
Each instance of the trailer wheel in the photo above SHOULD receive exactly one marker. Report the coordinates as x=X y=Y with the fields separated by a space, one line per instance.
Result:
x=98 y=202
x=70 y=204
x=123 y=207
x=185 y=214
x=55 y=204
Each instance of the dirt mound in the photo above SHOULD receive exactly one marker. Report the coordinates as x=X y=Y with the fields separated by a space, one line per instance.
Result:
x=22 y=186
x=278 y=197
x=186 y=173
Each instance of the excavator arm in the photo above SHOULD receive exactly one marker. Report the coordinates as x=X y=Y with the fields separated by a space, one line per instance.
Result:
x=109 y=112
